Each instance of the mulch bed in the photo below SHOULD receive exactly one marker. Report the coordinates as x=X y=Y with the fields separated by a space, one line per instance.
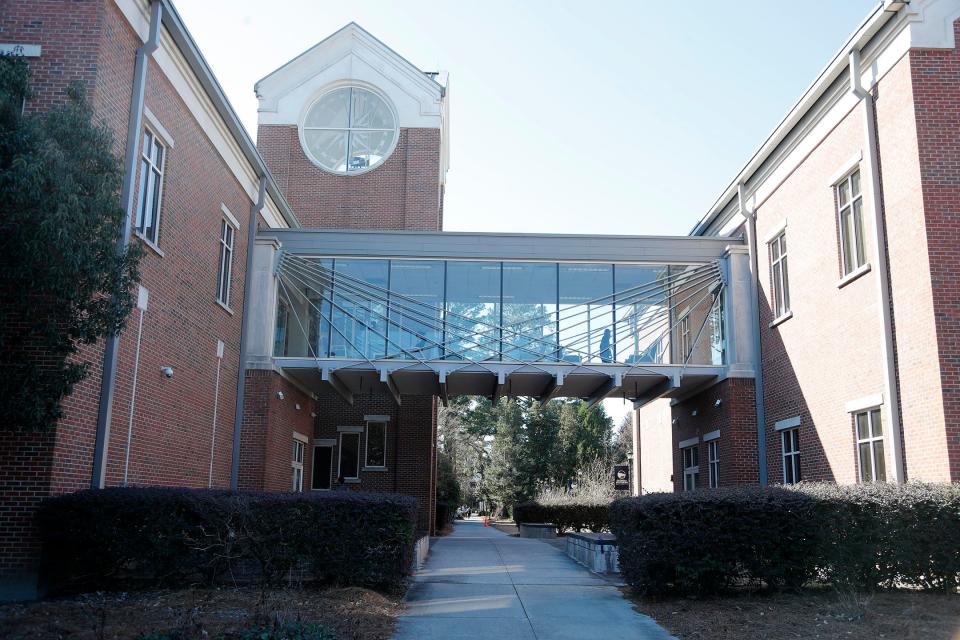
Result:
x=812 y=613
x=207 y=614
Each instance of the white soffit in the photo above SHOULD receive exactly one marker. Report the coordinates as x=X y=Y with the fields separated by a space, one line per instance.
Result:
x=350 y=54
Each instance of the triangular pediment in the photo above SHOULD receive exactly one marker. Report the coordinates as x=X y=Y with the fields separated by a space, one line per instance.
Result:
x=350 y=55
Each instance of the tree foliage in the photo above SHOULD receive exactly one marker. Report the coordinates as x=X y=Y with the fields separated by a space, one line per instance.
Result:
x=62 y=282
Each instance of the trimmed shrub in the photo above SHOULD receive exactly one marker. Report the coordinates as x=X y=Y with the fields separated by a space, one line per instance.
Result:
x=573 y=515
x=146 y=537
x=861 y=537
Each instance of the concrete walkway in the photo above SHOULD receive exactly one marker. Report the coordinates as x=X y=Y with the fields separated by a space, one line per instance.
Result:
x=481 y=583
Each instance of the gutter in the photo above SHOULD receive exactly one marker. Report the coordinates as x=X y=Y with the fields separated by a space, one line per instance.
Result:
x=887 y=358
x=874 y=22
x=198 y=64
x=127 y=195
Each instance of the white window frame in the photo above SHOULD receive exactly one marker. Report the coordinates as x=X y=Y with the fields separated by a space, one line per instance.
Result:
x=147 y=163
x=228 y=235
x=366 y=452
x=858 y=252
x=872 y=443
x=713 y=462
x=299 y=451
x=791 y=459
x=779 y=275
x=348 y=431
x=691 y=472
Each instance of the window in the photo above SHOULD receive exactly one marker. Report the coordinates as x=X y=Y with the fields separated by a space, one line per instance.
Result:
x=684 y=330
x=850 y=207
x=691 y=468
x=349 y=468
x=713 y=460
x=870 y=446
x=280 y=330
x=151 y=187
x=778 y=275
x=297 y=465
x=349 y=130
x=790 y=445
x=322 y=466
x=376 y=444
x=226 y=262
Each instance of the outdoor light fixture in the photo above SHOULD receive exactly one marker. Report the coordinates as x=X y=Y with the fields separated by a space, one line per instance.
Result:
x=694 y=412
x=167 y=371
x=279 y=395
x=297 y=406
x=718 y=402
x=313 y=414
x=675 y=421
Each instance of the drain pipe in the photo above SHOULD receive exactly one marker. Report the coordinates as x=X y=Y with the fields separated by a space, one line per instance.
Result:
x=751 y=218
x=872 y=157
x=135 y=120
x=244 y=335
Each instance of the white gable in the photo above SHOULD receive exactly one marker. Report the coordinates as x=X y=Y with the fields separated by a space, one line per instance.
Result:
x=350 y=55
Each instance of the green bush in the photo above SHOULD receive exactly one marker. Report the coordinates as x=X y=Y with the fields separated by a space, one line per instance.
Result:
x=861 y=536
x=573 y=515
x=133 y=537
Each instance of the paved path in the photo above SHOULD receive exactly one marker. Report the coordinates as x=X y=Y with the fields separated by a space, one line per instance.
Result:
x=481 y=583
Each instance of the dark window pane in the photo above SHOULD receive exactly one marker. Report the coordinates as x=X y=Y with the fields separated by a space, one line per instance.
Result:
x=376 y=444
x=863 y=431
x=349 y=455
x=881 y=463
x=322 y=472
x=876 y=423
x=866 y=465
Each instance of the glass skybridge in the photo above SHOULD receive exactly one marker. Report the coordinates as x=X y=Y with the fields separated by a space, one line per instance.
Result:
x=488 y=314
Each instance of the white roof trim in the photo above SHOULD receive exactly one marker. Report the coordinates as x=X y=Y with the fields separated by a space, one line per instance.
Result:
x=300 y=437
x=786 y=423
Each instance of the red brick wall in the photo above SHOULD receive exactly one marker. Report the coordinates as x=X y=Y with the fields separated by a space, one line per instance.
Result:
x=936 y=92
x=735 y=417
x=402 y=193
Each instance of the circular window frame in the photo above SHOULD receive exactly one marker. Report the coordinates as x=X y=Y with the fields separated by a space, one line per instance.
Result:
x=330 y=88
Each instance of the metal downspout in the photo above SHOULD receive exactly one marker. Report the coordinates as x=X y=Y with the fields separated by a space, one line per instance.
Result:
x=127 y=193
x=751 y=218
x=872 y=156
x=244 y=335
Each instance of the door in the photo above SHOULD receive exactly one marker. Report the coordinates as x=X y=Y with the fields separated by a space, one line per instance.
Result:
x=322 y=467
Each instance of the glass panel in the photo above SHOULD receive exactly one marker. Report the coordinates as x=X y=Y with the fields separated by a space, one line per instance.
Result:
x=415 y=316
x=153 y=220
x=473 y=310
x=376 y=444
x=369 y=111
x=349 y=454
x=639 y=304
x=788 y=475
x=880 y=463
x=774 y=250
x=876 y=423
x=863 y=431
x=847 y=240
x=843 y=193
x=858 y=230
x=367 y=148
x=855 y=184
x=322 y=459
x=157 y=155
x=359 y=320
x=144 y=175
x=785 y=285
x=329 y=148
x=529 y=311
x=318 y=308
x=586 y=312
x=331 y=110
x=777 y=291
x=866 y=465
x=280 y=331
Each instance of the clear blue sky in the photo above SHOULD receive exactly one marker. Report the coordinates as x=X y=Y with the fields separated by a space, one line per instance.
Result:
x=589 y=117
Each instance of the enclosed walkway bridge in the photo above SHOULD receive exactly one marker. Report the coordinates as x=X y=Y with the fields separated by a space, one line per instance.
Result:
x=540 y=315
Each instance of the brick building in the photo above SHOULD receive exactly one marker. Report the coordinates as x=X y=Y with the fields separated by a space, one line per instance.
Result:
x=856 y=191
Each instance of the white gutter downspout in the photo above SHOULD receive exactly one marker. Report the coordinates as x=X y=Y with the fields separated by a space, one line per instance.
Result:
x=872 y=159
x=127 y=193
x=751 y=218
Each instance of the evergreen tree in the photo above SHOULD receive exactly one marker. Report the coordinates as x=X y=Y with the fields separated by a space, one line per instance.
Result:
x=62 y=282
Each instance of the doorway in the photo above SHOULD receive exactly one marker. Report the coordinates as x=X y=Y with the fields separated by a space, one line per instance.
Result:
x=322 y=467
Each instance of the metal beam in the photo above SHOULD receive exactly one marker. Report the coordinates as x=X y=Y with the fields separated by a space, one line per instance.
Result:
x=329 y=376
x=658 y=390
x=553 y=389
x=386 y=379
x=605 y=389
x=499 y=387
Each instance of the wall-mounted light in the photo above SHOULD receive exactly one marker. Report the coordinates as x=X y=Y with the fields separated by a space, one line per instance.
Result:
x=167 y=371
x=297 y=406
x=694 y=412
x=279 y=395
x=313 y=414
x=718 y=402
x=675 y=421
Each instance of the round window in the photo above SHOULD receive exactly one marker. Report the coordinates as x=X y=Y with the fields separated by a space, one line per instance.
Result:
x=349 y=130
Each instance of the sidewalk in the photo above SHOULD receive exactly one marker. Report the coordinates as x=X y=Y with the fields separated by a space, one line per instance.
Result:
x=481 y=583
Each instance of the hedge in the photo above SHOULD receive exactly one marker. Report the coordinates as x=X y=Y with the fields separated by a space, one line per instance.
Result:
x=575 y=515
x=147 y=537
x=860 y=537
